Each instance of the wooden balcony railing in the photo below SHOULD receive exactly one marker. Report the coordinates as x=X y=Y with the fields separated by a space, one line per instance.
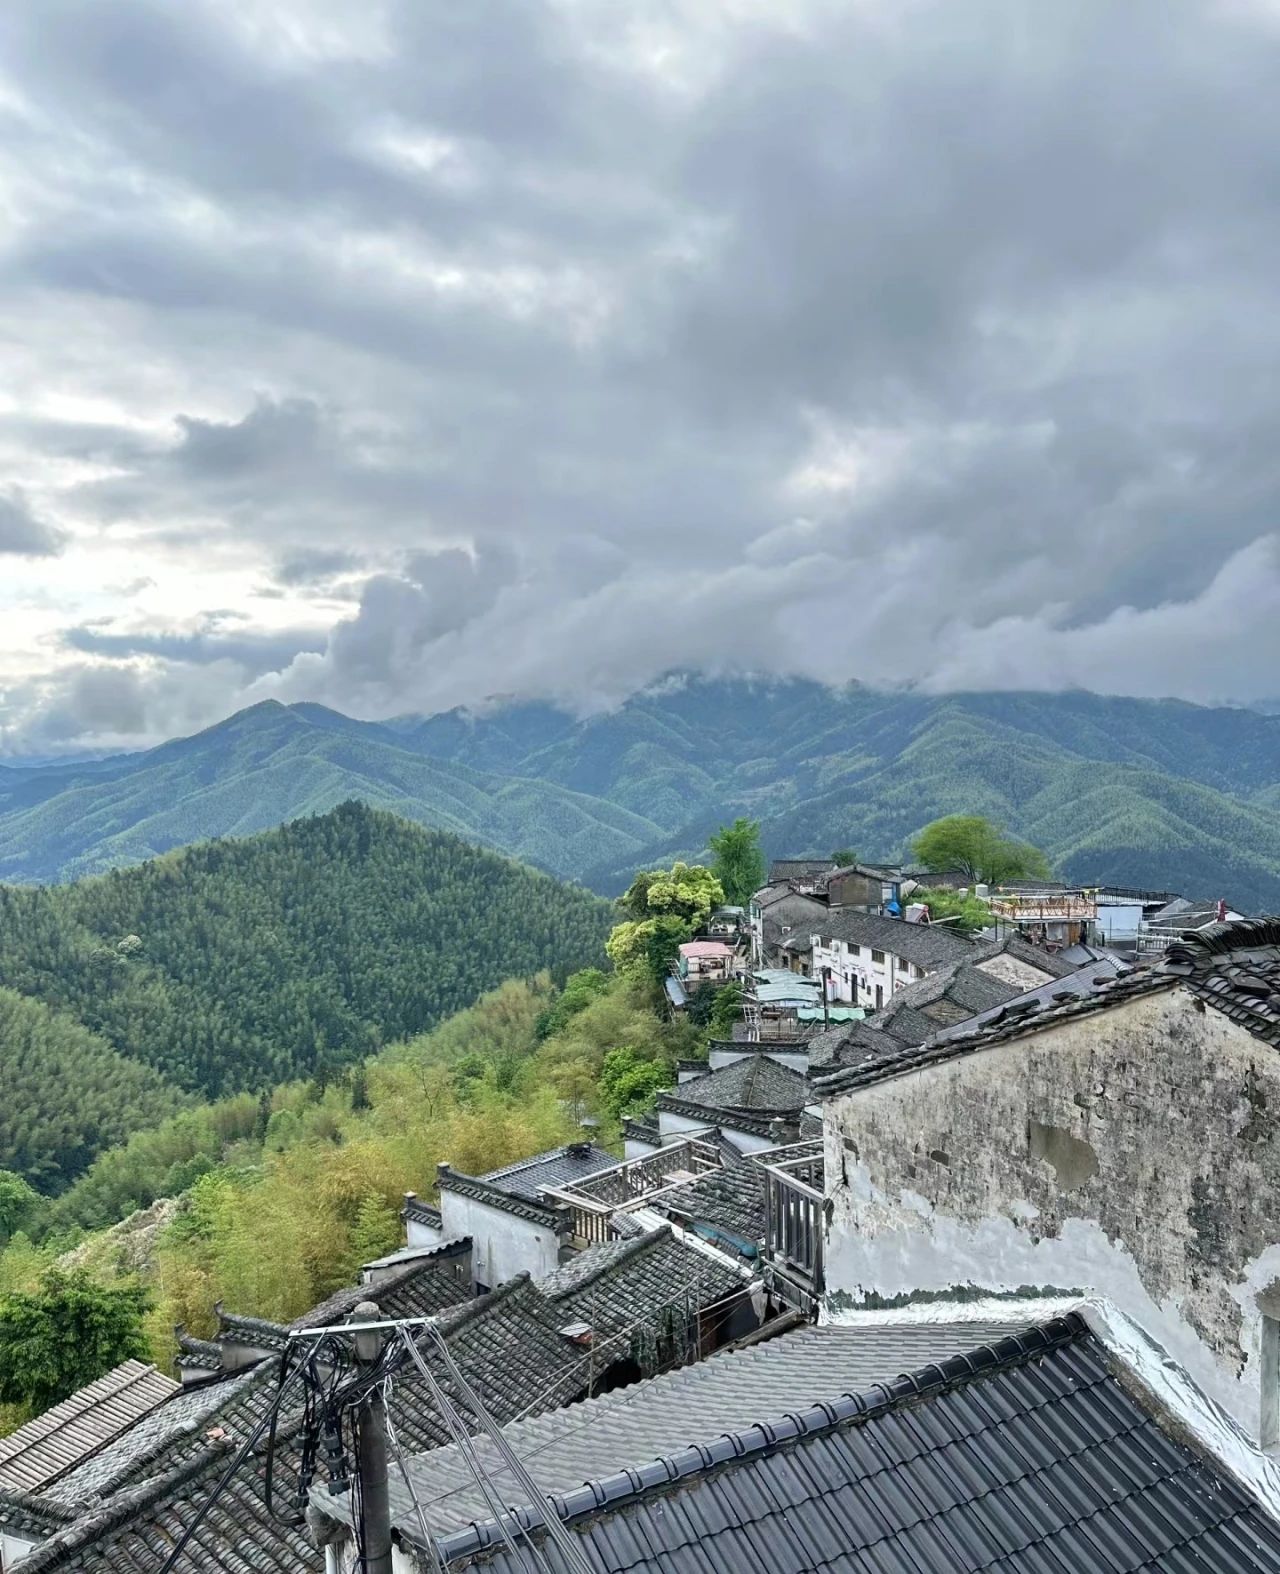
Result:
x=793 y=1195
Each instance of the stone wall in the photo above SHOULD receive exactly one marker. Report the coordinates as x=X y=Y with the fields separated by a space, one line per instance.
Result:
x=1133 y=1153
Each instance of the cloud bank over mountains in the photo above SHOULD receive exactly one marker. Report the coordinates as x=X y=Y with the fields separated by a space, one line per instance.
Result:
x=400 y=355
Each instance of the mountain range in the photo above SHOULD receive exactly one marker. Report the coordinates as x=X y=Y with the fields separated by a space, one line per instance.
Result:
x=1159 y=794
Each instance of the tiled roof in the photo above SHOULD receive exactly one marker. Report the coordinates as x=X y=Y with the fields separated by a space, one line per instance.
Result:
x=256 y=1333
x=150 y=1483
x=204 y=1355
x=783 y=869
x=559 y=1167
x=875 y=1062
x=509 y=1345
x=927 y=945
x=656 y=1281
x=1026 y=1458
x=549 y=1215
x=55 y=1441
x=753 y=1083
x=725 y=1206
x=31 y=1518
x=419 y=1288
x=420 y=1211
x=1236 y=969
x=1021 y=950
x=658 y=1417
x=187 y=1415
x=137 y=1530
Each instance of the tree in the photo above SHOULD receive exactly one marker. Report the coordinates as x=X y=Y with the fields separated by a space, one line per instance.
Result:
x=359 y=1086
x=844 y=856
x=66 y=1334
x=667 y=906
x=970 y=846
x=965 y=914
x=725 y=1011
x=17 y=1199
x=737 y=862
x=629 y=1083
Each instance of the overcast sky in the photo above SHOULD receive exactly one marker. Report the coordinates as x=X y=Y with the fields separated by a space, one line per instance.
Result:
x=399 y=354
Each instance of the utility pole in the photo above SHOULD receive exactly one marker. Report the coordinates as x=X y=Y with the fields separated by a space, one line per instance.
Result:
x=371 y=1462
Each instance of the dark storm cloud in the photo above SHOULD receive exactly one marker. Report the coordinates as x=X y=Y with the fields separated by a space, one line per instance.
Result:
x=591 y=344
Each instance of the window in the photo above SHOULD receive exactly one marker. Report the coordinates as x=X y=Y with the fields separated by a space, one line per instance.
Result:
x=877 y=956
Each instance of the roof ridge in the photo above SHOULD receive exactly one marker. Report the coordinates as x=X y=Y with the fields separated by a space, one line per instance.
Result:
x=122 y=1508
x=35 y=1505
x=1197 y=946
x=461 y=1316
x=629 y=1249
x=764 y=1437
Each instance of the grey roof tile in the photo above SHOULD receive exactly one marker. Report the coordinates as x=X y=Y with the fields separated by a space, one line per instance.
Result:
x=656 y=1281
x=65 y=1434
x=753 y=1083
x=559 y=1167
x=724 y=1393
x=1235 y=968
x=1029 y=1458
x=927 y=945
x=725 y=1206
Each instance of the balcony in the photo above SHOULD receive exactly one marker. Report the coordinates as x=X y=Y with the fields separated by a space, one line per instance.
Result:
x=794 y=1223
x=593 y=1202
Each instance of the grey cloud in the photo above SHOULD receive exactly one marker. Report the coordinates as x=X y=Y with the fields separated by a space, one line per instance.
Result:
x=315 y=565
x=22 y=533
x=955 y=320
x=255 y=653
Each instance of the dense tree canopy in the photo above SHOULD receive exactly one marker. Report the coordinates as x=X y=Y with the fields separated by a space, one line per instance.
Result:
x=666 y=906
x=968 y=845
x=65 y=1334
x=242 y=964
x=737 y=860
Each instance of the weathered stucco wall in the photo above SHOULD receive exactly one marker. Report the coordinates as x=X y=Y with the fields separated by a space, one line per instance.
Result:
x=1134 y=1153
x=502 y=1245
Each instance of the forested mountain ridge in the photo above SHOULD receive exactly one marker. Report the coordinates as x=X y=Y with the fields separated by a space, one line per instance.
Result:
x=241 y=964
x=274 y=763
x=1160 y=794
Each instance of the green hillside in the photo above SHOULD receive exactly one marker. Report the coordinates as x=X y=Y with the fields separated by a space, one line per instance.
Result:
x=1151 y=793
x=274 y=763
x=240 y=964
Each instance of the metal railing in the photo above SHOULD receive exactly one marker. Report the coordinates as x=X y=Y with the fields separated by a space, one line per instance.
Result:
x=593 y=1202
x=793 y=1196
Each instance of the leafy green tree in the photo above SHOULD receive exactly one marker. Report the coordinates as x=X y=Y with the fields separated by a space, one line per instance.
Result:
x=667 y=906
x=359 y=1086
x=580 y=989
x=965 y=914
x=17 y=1199
x=726 y=1008
x=971 y=846
x=66 y=1334
x=376 y=1230
x=844 y=856
x=737 y=860
x=629 y=1083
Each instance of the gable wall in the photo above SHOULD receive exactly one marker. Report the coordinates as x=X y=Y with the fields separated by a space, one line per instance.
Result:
x=1133 y=1153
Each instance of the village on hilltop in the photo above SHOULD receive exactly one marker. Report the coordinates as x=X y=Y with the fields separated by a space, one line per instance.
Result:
x=961 y=1250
